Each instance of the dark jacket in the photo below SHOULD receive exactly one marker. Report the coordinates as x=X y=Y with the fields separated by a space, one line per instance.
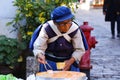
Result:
x=112 y=9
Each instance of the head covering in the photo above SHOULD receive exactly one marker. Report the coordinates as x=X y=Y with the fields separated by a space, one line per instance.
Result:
x=61 y=13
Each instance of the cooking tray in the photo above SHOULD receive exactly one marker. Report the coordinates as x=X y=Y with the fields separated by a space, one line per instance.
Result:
x=48 y=77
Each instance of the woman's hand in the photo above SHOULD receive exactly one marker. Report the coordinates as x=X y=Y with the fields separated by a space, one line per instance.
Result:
x=68 y=64
x=41 y=58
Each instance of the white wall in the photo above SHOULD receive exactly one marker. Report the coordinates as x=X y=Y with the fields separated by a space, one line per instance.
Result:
x=7 y=13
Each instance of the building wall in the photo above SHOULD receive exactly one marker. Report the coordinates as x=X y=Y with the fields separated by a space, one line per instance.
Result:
x=7 y=13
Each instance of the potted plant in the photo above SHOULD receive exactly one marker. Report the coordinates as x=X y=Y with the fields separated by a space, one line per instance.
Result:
x=10 y=50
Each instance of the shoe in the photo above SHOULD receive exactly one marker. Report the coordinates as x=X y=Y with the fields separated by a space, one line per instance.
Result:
x=118 y=35
x=113 y=37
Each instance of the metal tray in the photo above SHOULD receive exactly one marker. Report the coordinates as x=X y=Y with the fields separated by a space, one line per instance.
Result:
x=45 y=78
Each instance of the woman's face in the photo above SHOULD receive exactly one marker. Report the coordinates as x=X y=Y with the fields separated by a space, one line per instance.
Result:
x=64 y=25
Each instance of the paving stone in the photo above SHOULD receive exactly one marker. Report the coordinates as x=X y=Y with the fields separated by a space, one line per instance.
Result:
x=105 y=57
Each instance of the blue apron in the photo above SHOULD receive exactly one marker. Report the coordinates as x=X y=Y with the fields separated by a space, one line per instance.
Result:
x=54 y=67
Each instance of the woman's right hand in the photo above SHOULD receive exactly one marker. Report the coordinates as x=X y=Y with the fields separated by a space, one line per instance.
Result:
x=41 y=58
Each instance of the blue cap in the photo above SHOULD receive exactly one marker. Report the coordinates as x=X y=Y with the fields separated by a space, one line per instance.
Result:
x=61 y=13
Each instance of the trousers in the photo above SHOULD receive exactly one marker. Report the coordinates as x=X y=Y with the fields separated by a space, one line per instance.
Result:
x=113 y=26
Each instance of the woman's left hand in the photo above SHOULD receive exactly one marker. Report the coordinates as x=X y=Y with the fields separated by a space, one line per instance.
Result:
x=68 y=63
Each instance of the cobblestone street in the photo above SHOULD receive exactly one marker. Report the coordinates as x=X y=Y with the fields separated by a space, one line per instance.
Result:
x=105 y=58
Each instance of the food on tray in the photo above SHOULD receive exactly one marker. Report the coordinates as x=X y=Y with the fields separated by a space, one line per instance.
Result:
x=60 y=75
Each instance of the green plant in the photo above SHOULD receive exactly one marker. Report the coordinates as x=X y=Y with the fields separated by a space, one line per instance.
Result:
x=10 y=50
x=34 y=12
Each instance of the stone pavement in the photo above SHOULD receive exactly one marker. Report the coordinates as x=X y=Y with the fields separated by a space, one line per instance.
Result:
x=105 y=58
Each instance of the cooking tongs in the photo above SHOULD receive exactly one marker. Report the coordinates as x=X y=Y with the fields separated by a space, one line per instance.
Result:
x=47 y=66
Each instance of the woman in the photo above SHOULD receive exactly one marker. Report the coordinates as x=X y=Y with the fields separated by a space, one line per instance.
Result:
x=59 y=40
